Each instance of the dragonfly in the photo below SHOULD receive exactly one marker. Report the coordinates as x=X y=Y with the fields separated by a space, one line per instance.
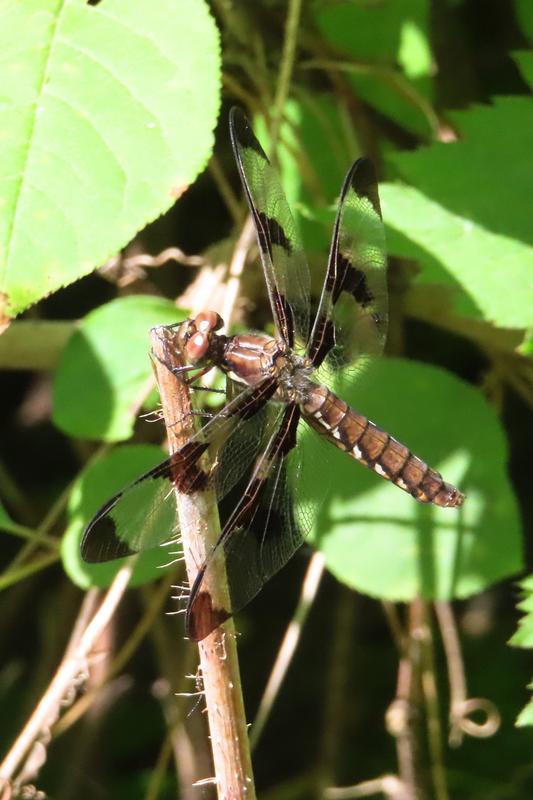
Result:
x=276 y=386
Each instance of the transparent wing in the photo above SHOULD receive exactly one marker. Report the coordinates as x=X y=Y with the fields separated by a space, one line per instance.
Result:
x=143 y=515
x=282 y=255
x=352 y=316
x=260 y=534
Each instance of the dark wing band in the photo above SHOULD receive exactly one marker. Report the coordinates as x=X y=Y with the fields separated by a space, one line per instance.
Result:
x=284 y=264
x=259 y=536
x=352 y=315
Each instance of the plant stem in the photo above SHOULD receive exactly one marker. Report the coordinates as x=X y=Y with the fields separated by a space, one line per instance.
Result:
x=287 y=64
x=199 y=528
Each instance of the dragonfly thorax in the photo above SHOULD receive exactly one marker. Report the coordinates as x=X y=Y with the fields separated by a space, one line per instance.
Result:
x=252 y=358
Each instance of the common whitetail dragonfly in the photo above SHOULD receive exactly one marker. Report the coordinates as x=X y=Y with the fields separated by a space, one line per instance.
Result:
x=274 y=383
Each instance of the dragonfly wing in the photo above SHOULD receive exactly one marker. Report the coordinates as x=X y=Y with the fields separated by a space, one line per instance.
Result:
x=282 y=255
x=260 y=534
x=143 y=515
x=352 y=316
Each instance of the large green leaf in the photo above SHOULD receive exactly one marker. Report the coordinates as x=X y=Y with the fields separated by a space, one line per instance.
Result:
x=468 y=221
x=107 y=115
x=377 y=37
x=378 y=539
x=105 y=367
x=96 y=485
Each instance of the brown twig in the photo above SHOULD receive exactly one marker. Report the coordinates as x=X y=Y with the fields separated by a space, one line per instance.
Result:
x=74 y=662
x=404 y=715
x=389 y=786
x=461 y=706
x=198 y=518
x=432 y=711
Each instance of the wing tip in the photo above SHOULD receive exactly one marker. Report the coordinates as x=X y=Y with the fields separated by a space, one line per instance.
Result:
x=241 y=133
x=101 y=541
x=362 y=178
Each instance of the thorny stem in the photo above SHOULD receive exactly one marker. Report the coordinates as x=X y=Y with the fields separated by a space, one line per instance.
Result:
x=199 y=529
x=187 y=731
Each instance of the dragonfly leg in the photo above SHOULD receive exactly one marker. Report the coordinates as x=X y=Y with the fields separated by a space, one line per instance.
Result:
x=183 y=370
x=207 y=389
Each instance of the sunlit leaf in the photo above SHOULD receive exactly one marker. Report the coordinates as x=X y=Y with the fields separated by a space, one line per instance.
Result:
x=101 y=130
x=414 y=52
x=466 y=217
x=378 y=539
x=96 y=485
x=104 y=371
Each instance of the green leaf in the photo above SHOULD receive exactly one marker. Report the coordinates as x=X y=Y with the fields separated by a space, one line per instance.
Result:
x=97 y=484
x=469 y=215
x=526 y=715
x=523 y=637
x=34 y=343
x=105 y=368
x=524 y=15
x=107 y=115
x=414 y=52
x=378 y=539
x=524 y=62
x=526 y=348
x=378 y=37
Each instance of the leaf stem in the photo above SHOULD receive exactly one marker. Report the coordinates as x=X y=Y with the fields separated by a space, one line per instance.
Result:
x=287 y=64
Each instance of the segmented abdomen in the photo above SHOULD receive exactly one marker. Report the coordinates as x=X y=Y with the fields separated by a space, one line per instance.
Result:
x=376 y=449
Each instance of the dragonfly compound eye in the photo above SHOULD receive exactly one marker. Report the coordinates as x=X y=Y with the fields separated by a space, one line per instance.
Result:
x=207 y=321
x=197 y=347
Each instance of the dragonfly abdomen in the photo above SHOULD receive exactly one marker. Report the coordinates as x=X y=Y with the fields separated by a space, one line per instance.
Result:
x=375 y=448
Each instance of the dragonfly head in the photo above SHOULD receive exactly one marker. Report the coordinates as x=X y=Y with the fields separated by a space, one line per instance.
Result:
x=198 y=339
